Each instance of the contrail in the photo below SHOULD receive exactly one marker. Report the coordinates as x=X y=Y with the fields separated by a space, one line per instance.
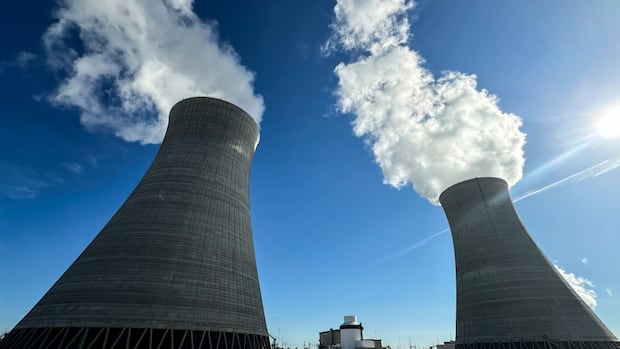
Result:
x=415 y=246
x=592 y=171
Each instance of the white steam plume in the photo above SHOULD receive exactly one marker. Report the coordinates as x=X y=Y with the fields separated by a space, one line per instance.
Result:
x=373 y=25
x=430 y=132
x=138 y=58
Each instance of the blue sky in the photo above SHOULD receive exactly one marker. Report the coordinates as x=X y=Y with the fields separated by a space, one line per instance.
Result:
x=331 y=239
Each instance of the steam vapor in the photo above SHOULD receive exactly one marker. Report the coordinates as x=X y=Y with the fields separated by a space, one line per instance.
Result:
x=138 y=58
x=430 y=132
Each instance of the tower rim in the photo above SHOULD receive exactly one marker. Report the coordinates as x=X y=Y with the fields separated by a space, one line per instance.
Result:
x=215 y=99
x=453 y=187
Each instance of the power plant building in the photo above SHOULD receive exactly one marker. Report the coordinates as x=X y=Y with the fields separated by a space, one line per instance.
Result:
x=329 y=339
x=175 y=266
x=350 y=335
x=508 y=293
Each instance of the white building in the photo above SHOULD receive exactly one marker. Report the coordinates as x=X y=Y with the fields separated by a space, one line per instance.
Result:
x=349 y=336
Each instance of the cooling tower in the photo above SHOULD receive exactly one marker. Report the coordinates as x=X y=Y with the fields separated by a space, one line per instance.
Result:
x=508 y=294
x=175 y=266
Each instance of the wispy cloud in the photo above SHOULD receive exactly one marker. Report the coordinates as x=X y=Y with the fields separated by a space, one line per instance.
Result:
x=582 y=286
x=138 y=58
x=73 y=167
x=92 y=161
x=22 y=60
x=609 y=292
x=590 y=172
x=21 y=182
x=584 y=260
x=413 y=246
x=22 y=192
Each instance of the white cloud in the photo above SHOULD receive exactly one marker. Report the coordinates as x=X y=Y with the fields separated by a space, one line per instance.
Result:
x=430 y=132
x=370 y=25
x=609 y=292
x=185 y=6
x=580 y=285
x=138 y=59
x=584 y=260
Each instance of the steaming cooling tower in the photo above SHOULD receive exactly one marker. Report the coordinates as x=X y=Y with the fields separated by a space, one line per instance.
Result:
x=175 y=266
x=508 y=294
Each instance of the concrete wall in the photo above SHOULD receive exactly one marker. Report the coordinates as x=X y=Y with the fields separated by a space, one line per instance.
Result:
x=179 y=252
x=507 y=290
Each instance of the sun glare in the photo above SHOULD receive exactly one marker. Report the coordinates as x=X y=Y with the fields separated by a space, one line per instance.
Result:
x=608 y=125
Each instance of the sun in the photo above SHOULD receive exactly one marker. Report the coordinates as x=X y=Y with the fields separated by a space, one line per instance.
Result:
x=608 y=125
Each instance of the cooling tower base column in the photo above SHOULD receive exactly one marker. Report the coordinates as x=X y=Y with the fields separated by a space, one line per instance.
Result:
x=136 y=338
x=542 y=345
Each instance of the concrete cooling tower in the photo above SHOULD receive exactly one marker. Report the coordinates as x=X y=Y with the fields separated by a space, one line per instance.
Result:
x=175 y=266
x=508 y=294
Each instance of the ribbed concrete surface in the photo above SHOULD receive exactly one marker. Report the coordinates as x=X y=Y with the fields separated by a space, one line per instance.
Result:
x=178 y=254
x=507 y=290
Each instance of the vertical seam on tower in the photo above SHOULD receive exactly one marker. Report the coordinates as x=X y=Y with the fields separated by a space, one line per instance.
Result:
x=499 y=241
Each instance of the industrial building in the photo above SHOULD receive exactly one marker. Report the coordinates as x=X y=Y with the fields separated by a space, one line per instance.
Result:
x=329 y=339
x=508 y=293
x=350 y=335
x=446 y=345
x=175 y=266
